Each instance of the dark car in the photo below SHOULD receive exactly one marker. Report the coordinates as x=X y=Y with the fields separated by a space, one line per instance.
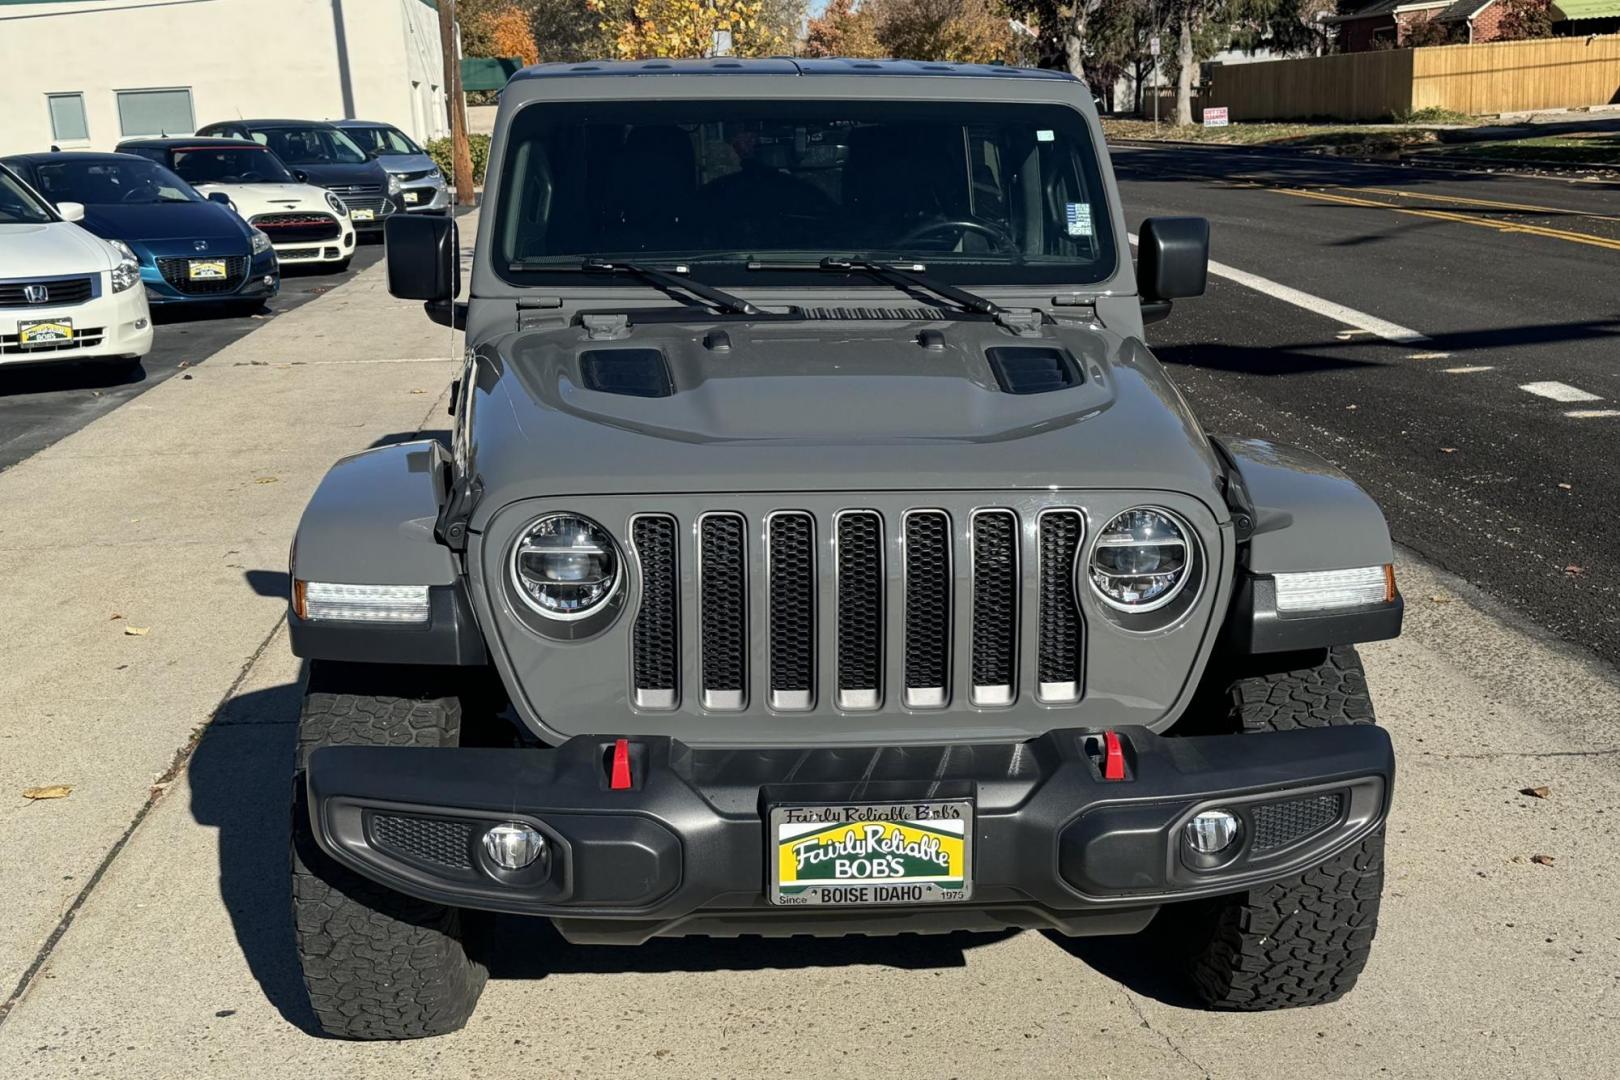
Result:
x=320 y=154
x=423 y=188
x=191 y=249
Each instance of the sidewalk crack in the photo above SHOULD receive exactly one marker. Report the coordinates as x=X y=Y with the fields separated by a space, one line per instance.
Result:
x=1130 y=999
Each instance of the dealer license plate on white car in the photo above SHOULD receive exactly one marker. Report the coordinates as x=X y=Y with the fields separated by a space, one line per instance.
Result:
x=871 y=853
x=44 y=332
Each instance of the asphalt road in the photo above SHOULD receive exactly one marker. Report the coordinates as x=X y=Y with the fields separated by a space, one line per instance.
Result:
x=1511 y=284
x=40 y=404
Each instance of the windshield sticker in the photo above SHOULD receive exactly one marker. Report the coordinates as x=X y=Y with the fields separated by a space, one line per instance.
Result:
x=1044 y=135
x=1078 y=215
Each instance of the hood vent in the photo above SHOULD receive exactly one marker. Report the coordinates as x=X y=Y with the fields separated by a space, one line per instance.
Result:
x=890 y=314
x=630 y=372
x=1028 y=369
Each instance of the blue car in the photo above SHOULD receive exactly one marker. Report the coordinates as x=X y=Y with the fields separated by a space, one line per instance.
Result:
x=191 y=249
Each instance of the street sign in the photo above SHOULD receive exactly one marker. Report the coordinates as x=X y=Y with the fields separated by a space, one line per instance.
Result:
x=1153 y=45
x=1215 y=116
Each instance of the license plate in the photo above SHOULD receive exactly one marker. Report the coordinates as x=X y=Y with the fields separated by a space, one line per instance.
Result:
x=363 y=215
x=871 y=853
x=44 y=332
x=413 y=196
x=206 y=270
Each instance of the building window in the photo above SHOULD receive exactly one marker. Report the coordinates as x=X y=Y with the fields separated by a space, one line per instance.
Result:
x=67 y=118
x=155 y=112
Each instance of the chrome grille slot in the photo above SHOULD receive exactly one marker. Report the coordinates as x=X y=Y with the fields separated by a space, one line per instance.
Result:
x=656 y=636
x=860 y=585
x=927 y=633
x=790 y=567
x=723 y=610
x=1061 y=637
x=994 y=540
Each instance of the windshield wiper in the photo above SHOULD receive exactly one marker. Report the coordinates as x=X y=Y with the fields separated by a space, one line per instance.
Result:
x=666 y=280
x=910 y=274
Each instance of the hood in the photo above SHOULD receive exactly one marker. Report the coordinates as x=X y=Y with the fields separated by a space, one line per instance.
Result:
x=147 y=222
x=56 y=248
x=253 y=199
x=830 y=406
x=327 y=174
x=406 y=163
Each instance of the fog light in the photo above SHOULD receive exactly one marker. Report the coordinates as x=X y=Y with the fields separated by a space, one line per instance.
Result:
x=1211 y=832
x=514 y=845
x=140 y=324
x=269 y=280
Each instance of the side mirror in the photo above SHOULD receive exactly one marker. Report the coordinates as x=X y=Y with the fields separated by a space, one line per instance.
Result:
x=424 y=259
x=221 y=198
x=71 y=211
x=301 y=176
x=1172 y=261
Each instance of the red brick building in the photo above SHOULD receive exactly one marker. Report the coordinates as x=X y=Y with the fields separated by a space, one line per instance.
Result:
x=1389 y=24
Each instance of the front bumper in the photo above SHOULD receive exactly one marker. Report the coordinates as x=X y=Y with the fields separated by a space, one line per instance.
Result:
x=683 y=849
x=109 y=325
x=424 y=198
x=261 y=280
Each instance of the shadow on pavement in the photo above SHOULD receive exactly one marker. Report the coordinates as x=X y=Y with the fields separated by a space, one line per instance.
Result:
x=1140 y=963
x=397 y=437
x=1257 y=360
x=274 y=583
x=48 y=377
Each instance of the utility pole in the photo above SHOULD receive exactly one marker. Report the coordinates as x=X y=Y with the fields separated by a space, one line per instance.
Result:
x=460 y=154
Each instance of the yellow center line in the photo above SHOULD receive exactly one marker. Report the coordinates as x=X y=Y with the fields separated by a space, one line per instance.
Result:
x=1463 y=200
x=1463 y=219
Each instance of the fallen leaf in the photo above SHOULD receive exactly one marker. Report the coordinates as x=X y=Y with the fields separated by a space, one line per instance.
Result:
x=268 y=480
x=1448 y=449
x=1536 y=792
x=137 y=631
x=1565 y=487
x=184 y=364
x=115 y=616
x=187 y=375
x=1350 y=407
x=51 y=791
x=418 y=391
x=1542 y=860
x=1440 y=599
x=1574 y=571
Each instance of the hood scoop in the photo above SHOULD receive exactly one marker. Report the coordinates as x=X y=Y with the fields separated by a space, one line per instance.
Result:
x=1033 y=369
x=629 y=372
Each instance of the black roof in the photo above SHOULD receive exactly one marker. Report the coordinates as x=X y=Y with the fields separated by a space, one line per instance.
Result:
x=783 y=65
x=273 y=123
x=78 y=155
x=165 y=142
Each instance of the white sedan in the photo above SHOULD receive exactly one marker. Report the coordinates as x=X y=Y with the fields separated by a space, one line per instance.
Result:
x=65 y=294
x=306 y=224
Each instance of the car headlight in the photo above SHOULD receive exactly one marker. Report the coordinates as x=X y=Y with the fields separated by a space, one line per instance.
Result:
x=127 y=274
x=565 y=566
x=337 y=205
x=1140 y=560
x=393 y=184
x=261 y=242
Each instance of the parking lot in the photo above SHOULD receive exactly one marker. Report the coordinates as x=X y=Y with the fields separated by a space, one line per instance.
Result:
x=147 y=931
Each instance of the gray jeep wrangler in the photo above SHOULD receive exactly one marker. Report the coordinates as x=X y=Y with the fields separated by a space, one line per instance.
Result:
x=820 y=550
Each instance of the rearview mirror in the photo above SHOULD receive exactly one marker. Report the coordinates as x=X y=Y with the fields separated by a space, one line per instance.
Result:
x=424 y=260
x=1172 y=261
x=71 y=211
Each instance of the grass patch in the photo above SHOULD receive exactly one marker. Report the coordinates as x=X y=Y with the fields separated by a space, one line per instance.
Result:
x=1597 y=149
x=1434 y=114
x=1352 y=139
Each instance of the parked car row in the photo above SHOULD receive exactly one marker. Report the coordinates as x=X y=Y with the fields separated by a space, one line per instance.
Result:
x=205 y=218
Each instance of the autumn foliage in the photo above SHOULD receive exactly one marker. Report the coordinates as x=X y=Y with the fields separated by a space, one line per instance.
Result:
x=643 y=29
x=971 y=31
x=498 y=29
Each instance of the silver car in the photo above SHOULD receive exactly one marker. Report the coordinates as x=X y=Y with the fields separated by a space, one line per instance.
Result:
x=414 y=180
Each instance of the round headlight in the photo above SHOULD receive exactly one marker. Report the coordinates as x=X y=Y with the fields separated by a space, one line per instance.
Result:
x=1140 y=560
x=337 y=205
x=565 y=566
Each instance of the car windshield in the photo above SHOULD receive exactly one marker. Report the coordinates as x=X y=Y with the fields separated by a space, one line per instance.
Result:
x=18 y=205
x=310 y=145
x=1000 y=193
x=229 y=165
x=102 y=181
x=383 y=141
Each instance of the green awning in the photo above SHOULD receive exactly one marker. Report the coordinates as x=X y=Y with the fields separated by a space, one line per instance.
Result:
x=1588 y=9
x=491 y=73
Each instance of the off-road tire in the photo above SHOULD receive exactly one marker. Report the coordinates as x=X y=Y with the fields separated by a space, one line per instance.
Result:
x=1305 y=940
x=377 y=964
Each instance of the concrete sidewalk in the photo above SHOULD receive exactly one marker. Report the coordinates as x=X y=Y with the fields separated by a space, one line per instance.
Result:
x=143 y=564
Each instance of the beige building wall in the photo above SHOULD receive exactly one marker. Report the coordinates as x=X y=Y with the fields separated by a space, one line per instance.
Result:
x=238 y=58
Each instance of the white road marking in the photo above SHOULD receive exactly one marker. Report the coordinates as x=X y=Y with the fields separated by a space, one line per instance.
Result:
x=1558 y=391
x=1591 y=414
x=1430 y=356
x=1468 y=370
x=1337 y=312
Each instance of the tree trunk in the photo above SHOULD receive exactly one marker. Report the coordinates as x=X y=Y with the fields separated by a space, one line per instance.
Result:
x=1074 y=41
x=1184 y=75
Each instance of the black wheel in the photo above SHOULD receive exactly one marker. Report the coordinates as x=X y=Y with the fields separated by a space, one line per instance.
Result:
x=377 y=964
x=1305 y=940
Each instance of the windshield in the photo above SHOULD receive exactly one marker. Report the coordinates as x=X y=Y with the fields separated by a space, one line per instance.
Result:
x=102 y=181
x=979 y=192
x=310 y=146
x=383 y=141
x=229 y=165
x=18 y=205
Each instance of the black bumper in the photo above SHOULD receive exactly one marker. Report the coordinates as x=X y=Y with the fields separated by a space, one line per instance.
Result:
x=683 y=849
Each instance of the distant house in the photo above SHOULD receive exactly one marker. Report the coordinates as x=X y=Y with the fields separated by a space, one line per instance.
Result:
x=1388 y=24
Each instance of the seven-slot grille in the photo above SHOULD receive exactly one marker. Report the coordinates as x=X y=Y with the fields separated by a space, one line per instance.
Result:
x=176 y=271
x=295 y=228
x=14 y=294
x=807 y=563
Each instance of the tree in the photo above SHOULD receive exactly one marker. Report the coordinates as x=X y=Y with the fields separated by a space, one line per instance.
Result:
x=567 y=30
x=499 y=29
x=1524 y=19
x=843 y=30
x=644 y=29
x=964 y=31
x=1421 y=33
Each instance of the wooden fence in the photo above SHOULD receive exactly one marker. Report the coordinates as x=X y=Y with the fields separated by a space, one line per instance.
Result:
x=1503 y=76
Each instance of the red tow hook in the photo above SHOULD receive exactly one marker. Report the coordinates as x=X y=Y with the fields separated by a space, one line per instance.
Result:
x=1113 y=757
x=619 y=776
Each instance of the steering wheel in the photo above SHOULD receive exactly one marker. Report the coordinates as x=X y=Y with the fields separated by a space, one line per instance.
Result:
x=997 y=236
